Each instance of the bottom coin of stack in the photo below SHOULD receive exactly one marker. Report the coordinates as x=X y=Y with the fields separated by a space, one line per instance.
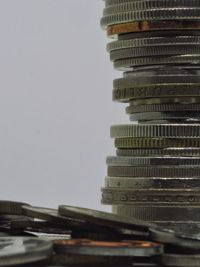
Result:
x=155 y=175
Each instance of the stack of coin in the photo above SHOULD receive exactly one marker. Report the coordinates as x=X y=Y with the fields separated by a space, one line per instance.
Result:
x=155 y=174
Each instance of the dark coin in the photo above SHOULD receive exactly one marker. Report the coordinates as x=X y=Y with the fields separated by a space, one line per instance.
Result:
x=103 y=218
x=11 y=207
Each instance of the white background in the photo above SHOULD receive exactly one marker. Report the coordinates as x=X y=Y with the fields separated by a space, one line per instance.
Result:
x=55 y=102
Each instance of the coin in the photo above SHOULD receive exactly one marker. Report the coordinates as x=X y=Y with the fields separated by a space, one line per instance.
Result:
x=151 y=183
x=149 y=161
x=22 y=250
x=108 y=248
x=103 y=218
x=157 y=50
x=144 y=26
x=162 y=108
x=160 y=131
x=176 y=13
x=181 y=260
x=11 y=207
x=184 y=152
x=157 y=91
x=130 y=63
x=151 y=197
x=143 y=5
x=52 y=216
x=160 y=171
x=159 y=214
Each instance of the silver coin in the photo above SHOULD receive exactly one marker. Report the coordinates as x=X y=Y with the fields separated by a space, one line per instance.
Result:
x=156 y=50
x=145 y=5
x=152 y=161
x=185 y=116
x=130 y=63
x=164 y=171
x=151 y=15
x=103 y=218
x=158 y=91
x=182 y=234
x=167 y=131
x=153 y=41
x=181 y=152
x=154 y=108
x=181 y=260
x=151 y=183
x=159 y=214
x=22 y=250
x=151 y=197
x=165 y=100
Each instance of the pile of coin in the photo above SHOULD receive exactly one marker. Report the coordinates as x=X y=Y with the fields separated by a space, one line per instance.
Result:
x=155 y=175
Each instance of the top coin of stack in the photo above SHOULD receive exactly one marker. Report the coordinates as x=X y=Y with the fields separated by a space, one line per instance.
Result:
x=155 y=175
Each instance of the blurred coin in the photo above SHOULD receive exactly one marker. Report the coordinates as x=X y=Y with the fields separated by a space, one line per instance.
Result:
x=181 y=260
x=151 y=161
x=11 y=207
x=152 y=183
x=108 y=248
x=168 y=130
x=156 y=25
x=103 y=218
x=21 y=250
x=176 y=13
x=184 y=152
x=160 y=214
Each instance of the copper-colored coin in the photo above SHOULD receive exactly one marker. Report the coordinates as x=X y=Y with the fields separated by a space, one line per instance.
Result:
x=108 y=248
x=141 y=26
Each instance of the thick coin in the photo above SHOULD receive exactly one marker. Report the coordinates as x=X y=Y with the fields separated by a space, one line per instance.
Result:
x=162 y=108
x=145 y=4
x=103 y=218
x=159 y=214
x=146 y=26
x=160 y=131
x=144 y=41
x=157 y=91
x=181 y=152
x=151 y=197
x=181 y=260
x=178 y=13
x=160 y=171
x=156 y=50
x=152 y=161
x=108 y=248
x=22 y=250
x=182 y=116
x=151 y=183
x=130 y=63
x=157 y=143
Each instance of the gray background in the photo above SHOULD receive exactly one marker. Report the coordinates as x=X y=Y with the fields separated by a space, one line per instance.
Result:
x=55 y=102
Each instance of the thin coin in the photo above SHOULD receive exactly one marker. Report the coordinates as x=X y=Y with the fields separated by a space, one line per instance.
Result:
x=103 y=218
x=182 y=152
x=108 y=248
x=11 y=207
x=149 y=161
x=145 y=26
x=176 y=13
x=181 y=260
x=152 y=183
x=22 y=250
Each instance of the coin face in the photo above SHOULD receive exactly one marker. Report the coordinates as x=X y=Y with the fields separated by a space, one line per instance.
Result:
x=22 y=250
x=109 y=248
